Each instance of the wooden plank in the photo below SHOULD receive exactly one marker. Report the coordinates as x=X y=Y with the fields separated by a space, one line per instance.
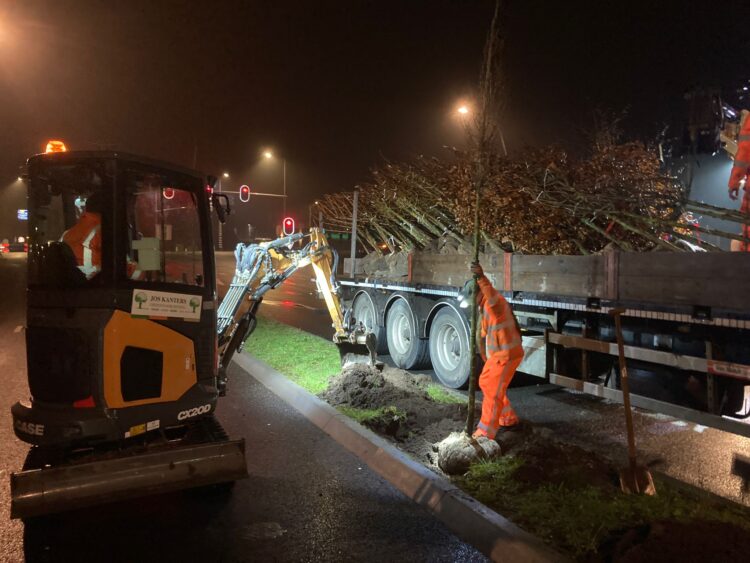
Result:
x=718 y=280
x=579 y=276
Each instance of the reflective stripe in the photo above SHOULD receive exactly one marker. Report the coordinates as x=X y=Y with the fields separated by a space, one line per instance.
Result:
x=493 y=348
x=506 y=324
x=482 y=425
x=135 y=275
x=742 y=163
x=745 y=137
x=88 y=267
x=492 y=301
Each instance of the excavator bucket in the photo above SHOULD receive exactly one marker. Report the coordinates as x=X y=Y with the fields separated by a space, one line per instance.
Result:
x=77 y=485
x=362 y=350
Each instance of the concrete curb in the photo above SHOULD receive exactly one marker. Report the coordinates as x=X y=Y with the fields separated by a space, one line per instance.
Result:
x=488 y=531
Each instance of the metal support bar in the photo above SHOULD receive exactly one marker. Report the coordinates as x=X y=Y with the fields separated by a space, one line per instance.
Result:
x=682 y=413
x=355 y=205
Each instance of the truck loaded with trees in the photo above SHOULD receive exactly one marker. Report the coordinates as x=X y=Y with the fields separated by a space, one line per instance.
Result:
x=567 y=241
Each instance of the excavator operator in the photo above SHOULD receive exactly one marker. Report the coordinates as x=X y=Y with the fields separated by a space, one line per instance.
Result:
x=85 y=238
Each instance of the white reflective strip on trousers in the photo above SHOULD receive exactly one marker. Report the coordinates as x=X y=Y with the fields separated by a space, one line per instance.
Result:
x=88 y=267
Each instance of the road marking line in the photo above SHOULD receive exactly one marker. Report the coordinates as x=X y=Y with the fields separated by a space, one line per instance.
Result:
x=18 y=329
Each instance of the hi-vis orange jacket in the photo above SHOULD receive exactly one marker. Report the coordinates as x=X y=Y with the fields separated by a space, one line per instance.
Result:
x=498 y=323
x=741 y=167
x=85 y=239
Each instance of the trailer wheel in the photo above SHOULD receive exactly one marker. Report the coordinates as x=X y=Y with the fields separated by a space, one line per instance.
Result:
x=407 y=350
x=449 y=349
x=363 y=310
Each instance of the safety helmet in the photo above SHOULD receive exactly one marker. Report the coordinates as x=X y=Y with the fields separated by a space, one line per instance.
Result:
x=465 y=295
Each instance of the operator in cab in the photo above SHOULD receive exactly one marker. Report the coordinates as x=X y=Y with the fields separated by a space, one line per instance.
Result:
x=85 y=237
x=85 y=240
x=502 y=352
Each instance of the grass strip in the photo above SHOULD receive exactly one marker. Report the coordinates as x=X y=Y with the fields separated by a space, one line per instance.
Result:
x=440 y=394
x=304 y=358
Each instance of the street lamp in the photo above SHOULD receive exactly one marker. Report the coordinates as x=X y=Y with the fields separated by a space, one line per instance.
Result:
x=220 y=242
x=268 y=155
x=463 y=109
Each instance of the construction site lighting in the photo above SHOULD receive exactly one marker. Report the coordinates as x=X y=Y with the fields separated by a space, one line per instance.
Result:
x=267 y=154
x=463 y=110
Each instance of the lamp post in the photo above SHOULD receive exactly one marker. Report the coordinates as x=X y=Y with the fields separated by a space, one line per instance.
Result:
x=267 y=154
x=220 y=242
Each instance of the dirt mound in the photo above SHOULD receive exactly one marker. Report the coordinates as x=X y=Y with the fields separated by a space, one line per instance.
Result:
x=425 y=421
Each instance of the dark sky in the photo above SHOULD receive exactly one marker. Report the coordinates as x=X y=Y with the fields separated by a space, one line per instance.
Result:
x=335 y=87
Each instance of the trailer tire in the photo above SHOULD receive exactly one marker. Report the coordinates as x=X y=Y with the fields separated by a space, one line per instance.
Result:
x=363 y=310
x=449 y=349
x=407 y=350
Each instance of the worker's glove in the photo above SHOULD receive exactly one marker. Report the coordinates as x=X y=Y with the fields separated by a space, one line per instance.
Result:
x=476 y=269
x=734 y=192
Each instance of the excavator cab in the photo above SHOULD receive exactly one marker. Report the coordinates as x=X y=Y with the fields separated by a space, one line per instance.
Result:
x=121 y=322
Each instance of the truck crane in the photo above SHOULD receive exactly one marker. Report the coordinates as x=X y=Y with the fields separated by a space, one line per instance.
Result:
x=128 y=347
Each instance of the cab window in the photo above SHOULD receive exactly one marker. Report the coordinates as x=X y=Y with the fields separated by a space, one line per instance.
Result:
x=164 y=235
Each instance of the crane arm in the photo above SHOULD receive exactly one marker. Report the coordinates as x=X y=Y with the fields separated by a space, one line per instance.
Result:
x=262 y=267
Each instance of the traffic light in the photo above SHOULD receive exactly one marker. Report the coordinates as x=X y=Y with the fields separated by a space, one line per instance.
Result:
x=244 y=194
x=288 y=226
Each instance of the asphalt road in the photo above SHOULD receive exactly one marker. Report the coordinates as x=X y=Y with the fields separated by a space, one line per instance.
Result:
x=307 y=499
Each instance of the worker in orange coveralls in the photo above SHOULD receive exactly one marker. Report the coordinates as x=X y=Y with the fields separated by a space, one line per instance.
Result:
x=502 y=353
x=85 y=240
x=740 y=173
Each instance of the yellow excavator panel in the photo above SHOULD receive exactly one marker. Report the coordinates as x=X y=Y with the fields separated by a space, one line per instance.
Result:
x=145 y=362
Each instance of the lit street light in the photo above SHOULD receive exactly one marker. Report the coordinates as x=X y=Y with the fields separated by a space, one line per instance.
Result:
x=268 y=155
x=226 y=175
x=463 y=109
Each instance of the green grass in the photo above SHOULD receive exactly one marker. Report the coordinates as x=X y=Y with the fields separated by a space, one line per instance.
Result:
x=578 y=519
x=440 y=394
x=306 y=359
x=364 y=416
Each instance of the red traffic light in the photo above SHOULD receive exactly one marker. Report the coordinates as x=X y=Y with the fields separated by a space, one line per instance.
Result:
x=288 y=226
x=244 y=194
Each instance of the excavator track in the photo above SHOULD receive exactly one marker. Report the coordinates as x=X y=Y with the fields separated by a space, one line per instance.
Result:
x=55 y=480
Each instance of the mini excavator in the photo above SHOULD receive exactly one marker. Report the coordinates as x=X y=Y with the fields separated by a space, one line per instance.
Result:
x=127 y=345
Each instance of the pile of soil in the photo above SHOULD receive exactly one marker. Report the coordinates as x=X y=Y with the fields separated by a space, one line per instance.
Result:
x=426 y=421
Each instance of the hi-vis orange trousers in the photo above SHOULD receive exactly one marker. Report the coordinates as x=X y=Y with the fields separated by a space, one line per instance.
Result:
x=497 y=374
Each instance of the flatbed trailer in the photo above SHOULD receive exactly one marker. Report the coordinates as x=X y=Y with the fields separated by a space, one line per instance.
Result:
x=686 y=324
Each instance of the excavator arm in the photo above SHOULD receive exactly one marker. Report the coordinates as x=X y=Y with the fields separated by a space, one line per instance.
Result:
x=265 y=266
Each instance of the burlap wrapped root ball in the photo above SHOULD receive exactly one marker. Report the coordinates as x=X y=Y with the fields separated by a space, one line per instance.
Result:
x=458 y=451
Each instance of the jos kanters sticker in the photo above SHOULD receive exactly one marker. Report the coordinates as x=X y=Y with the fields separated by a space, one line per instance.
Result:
x=164 y=304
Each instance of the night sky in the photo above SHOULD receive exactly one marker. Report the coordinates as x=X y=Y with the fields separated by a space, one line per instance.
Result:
x=337 y=87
